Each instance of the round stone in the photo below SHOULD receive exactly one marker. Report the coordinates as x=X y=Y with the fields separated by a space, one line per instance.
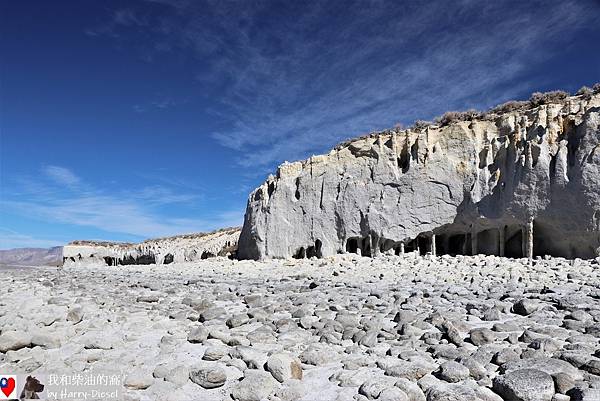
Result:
x=208 y=377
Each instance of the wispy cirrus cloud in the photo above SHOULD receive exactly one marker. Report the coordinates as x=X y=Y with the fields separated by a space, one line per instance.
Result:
x=59 y=195
x=10 y=239
x=292 y=79
x=160 y=103
x=61 y=175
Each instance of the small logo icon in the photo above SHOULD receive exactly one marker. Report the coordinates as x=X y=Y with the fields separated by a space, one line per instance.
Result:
x=33 y=389
x=8 y=387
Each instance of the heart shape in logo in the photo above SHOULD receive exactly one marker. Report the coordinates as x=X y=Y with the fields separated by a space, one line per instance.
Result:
x=9 y=387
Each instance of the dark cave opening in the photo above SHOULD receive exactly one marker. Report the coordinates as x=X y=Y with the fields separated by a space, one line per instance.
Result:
x=457 y=244
x=385 y=245
x=549 y=241
x=314 y=250
x=271 y=189
x=300 y=253
x=504 y=240
x=127 y=260
x=318 y=246
x=168 y=259
x=424 y=244
x=352 y=245
x=411 y=246
x=513 y=247
x=146 y=260
x=297 y=193
x=206 y=255
x=487 y=242
x=404 y=160
x=366 y=246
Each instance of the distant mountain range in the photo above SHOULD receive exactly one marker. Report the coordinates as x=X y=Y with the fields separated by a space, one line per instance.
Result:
x=32 y=256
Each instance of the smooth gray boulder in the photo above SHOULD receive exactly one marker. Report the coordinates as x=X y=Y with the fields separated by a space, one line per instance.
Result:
x=453 y=372
x=481 y=336
x=393 y=394
x=411 y=389
x=138 y=380
x=14 y=340
x=198 y=334
x=549 y=365
x=208 y=377
x=525 y=385
x=284 y=367
x=452 y=392
x=256 y=386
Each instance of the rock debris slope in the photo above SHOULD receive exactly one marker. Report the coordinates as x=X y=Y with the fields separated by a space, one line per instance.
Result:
x=181 y=248
x=522 y=182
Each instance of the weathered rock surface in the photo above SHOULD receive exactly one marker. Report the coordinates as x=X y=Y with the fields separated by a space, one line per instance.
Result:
x=501 y=185
x=525 y=385
x=178 y=249
x=208 y=377
x=284 y=367
x=14 y=340
x=256 y=386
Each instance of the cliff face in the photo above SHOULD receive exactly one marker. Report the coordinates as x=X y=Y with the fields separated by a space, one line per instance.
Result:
x=184 y=248
x=522 y=183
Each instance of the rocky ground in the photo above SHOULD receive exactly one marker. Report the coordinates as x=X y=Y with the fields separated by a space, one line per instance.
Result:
x=348 y=328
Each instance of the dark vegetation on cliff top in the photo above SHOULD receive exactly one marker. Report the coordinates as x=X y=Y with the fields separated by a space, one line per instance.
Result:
x=535 y=100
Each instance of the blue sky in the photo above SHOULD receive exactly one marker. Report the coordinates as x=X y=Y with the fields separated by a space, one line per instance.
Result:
x=124 y=120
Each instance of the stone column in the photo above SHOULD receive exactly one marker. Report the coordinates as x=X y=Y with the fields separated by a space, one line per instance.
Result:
x=374 y=245
x=501 y=240
x=528 y=240
x=474 y=247
x=402 y=248
x=433 y=249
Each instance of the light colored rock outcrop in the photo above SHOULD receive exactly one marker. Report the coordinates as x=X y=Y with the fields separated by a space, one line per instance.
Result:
x=182 y=248
x=522 y=183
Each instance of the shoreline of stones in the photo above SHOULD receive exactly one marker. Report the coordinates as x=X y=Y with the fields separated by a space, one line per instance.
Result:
x=343 y=328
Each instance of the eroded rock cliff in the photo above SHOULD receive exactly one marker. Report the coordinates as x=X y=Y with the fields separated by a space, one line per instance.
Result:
x=520 y=183
x=182 y=248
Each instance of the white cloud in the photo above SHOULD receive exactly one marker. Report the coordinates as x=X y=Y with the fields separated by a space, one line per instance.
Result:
x=134 y=211
x=61 y=175
x=297 y=83
x=10 y=239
